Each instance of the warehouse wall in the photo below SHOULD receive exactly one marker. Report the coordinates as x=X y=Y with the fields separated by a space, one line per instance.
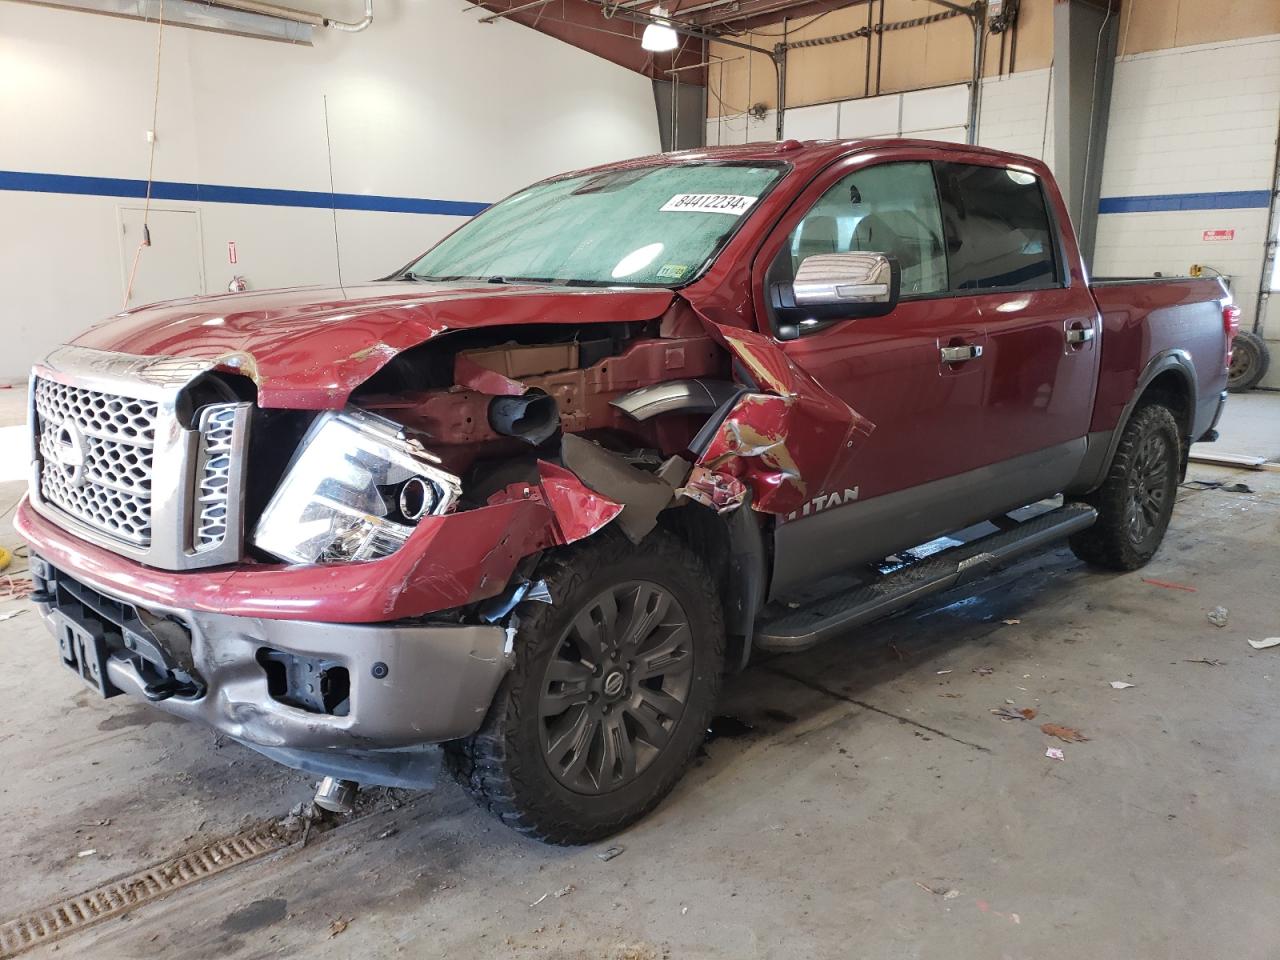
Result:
x=415 y=115
x=1191 y=162
x=934 y=55
x=1014 y=117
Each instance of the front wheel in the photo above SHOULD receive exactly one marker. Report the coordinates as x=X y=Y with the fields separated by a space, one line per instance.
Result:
x=1135 y=501
x=609 y=697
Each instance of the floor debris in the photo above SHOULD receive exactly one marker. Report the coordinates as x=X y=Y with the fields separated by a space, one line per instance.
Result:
x=86 y=853
x=1208 y=661
x=983 y=671
x=1065 y=734
x=338 y=924
x=1008 y=713
x=1011 y=622
x=607 y=855
x=1055 y=753
x=941 y=673
x=1218 y=616
x=1266 y=644
x=1168 y=585
x=10 y=615
x=1120 y=685
x=946 y=893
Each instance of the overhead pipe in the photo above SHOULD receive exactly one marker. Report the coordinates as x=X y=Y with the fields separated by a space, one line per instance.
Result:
x=298 y=16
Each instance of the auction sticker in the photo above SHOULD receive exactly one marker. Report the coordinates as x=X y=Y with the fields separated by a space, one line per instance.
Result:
x=731 y=203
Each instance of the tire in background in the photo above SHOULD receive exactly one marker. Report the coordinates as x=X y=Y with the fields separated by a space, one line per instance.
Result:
x=1250 y=359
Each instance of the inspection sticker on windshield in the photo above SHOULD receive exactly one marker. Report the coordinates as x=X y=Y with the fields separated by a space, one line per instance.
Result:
x=731 y=203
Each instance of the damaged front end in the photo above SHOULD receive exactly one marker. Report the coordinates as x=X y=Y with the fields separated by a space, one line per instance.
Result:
x=363 y=593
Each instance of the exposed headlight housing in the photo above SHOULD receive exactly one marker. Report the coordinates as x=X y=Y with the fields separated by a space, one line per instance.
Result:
x=354 y=491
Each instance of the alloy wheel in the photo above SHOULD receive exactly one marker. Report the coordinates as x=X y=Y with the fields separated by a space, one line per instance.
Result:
x=1148 y=489
x=616 y=687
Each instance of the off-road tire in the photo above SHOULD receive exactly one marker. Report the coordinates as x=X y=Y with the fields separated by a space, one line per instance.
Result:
x=503 y=765
x=1111 y=542
x=1250 y=360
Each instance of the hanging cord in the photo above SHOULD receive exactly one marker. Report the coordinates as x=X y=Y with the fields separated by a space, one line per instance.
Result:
x=151 y=165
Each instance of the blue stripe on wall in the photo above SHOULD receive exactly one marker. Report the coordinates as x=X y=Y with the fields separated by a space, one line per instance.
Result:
x=214 y=193
x=1231 y=200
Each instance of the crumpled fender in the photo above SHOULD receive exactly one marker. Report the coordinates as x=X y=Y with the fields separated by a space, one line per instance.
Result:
x=578 y=510
x=784 y=439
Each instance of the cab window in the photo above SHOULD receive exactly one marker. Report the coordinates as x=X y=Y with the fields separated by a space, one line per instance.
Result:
x=891 y=209
x=999 y=236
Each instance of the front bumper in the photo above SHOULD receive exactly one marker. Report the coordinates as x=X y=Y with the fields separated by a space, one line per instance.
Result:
x=352 y=700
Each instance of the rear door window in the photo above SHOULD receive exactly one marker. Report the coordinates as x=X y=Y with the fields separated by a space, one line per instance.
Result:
x=998 y=232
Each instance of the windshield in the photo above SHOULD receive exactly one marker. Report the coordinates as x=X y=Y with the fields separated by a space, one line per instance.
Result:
x=653 y=226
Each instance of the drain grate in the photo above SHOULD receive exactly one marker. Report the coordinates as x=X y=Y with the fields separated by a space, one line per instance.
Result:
x=120 y=896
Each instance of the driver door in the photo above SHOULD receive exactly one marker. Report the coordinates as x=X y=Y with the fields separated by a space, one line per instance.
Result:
x=919 y=473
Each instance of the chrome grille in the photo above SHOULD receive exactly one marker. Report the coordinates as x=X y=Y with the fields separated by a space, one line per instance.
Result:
x=118 y=464
x=213 y=481
x=96 y=451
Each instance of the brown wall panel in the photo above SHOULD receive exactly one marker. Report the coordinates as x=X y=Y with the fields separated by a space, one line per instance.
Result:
x=941 y=53
x=1147 y=25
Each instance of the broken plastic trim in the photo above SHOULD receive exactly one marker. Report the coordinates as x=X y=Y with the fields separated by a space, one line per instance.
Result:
x=495 y=608
x=676 y=396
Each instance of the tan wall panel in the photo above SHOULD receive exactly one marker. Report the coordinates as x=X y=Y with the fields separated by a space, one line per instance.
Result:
x=1035 y=39
x=1200 y=22
x=744 y=78
x=836 y=71
x=914 y=58
x=1147 y=25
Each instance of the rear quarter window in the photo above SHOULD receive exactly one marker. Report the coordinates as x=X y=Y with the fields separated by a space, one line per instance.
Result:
x=998 y=232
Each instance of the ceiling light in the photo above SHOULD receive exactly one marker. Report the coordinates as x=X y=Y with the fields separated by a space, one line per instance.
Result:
x=658 y=36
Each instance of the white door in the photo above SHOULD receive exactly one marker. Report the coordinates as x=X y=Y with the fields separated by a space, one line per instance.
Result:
x=172 y=266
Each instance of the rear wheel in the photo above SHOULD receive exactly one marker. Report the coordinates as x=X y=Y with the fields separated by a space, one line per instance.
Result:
x=610 y=694
x=1250 y=359
x=1135 y=501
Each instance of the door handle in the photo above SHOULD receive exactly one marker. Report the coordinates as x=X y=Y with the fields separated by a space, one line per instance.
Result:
x=1078 y=336
x=968 y=351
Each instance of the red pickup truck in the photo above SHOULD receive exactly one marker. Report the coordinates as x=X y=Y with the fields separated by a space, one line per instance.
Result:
x=532 y=496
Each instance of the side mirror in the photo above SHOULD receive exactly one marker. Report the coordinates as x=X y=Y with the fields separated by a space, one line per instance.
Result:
x=837 y=286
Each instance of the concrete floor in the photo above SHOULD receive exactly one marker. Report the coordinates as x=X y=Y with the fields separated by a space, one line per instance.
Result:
x=874 y=781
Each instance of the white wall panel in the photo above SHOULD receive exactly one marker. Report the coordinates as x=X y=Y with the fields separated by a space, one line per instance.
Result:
x=934 y=109
x=1015 y=114
x=427 y=103
x=821 y=122
x=873 y=117
x=1193 y=120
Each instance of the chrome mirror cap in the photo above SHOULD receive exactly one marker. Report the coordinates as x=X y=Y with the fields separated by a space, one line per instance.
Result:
x=839 y=278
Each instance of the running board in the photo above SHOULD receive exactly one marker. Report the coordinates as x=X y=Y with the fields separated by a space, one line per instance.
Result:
x=829 y=616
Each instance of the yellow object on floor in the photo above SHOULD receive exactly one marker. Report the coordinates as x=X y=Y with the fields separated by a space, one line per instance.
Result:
x=5 y=558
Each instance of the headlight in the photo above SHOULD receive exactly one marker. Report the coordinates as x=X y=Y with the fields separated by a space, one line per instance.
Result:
x=353 y=492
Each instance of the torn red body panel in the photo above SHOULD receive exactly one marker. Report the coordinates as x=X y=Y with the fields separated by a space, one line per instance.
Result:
x=787 y=442
x=722 y=492
x=468 y=373
x=579 y=511
x=447 y=562
x=308 y=348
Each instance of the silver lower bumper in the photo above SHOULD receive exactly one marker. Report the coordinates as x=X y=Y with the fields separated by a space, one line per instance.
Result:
x=406 y=684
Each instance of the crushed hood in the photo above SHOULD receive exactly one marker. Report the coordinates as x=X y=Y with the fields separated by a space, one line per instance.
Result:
x=310 y=347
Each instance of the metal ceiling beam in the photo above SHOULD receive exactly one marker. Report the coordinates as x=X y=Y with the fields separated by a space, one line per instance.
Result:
x=582 y=24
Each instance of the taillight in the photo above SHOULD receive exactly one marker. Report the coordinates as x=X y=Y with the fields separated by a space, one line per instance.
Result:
x=1230 y=326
